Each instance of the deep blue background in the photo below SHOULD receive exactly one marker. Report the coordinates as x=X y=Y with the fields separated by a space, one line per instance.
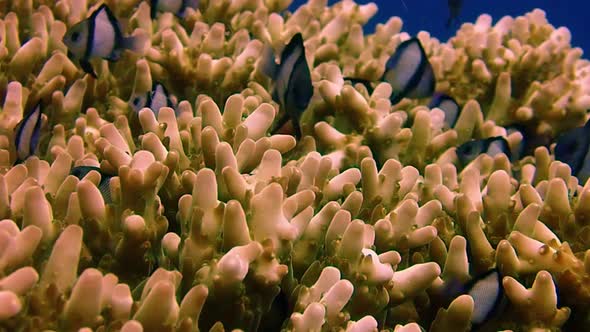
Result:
x=431 y=15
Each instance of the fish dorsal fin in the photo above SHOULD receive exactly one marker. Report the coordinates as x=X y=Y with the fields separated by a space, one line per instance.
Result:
x=295 y=43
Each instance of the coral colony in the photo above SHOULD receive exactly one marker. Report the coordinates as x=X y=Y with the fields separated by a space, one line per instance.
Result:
x=229 y=165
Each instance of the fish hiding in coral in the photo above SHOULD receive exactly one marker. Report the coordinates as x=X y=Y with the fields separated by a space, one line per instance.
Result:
x=492 y=146
x=292 y=81
x=177 y=7
x=486 y=291
x=27 y=134
x=572 y=148
x=448 y=105
x=104 y=186
x=454 y=11
x=99 y=36
x=408 y=71
x=155 y=99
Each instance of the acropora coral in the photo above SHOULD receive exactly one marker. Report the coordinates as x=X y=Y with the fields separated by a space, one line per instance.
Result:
x=214 y=224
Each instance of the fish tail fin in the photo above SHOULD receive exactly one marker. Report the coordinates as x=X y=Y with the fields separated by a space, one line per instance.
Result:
x=268 y=65
x=137 y=43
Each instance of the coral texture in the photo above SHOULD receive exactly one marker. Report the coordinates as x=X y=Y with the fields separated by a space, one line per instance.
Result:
x=210 y=223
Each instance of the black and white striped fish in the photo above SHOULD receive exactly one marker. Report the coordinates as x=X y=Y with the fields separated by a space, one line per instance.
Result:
x=155 y=99
x=177 y=7
x=292 y=81
x=99 y=36
x=104 y=186
x=487 y=293
x=27 y=135
x=408 y=71
x=448 y=105
x=468 y=151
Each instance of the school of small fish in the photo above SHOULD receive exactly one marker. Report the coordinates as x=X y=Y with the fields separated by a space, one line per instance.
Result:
x=408 y=71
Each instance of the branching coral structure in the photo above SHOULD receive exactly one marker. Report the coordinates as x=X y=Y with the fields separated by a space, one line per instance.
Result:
x=197 y=218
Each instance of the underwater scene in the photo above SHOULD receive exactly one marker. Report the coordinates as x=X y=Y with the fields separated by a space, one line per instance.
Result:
x=294 y=165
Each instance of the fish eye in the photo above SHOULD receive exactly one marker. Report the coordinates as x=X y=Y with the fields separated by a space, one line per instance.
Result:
x=75 y=36
x=136 y=101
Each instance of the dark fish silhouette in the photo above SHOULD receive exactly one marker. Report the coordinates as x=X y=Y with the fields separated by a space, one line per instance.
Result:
x=155 y=99
x=448 y=105
x=99 y=36
x=468 y=151
x=104 y=186
x=572 y=148
x=408 y=71
x=292 y=81
x=454 y=11
x=177 y=7
x=27 y=135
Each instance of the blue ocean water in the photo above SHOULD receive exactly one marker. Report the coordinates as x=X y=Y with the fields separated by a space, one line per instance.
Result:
x=431 y=15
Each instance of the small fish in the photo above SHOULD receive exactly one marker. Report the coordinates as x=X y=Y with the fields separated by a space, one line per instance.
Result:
x=27 y=134
x=177 y=7
x=487 y=292
x=454 y=11
x=155 y=99
x=448 y=105
x=468 y=151
x=104 y=186
x=572 y=148
x=408 y=71
x=99 y=36
x=292 y=81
